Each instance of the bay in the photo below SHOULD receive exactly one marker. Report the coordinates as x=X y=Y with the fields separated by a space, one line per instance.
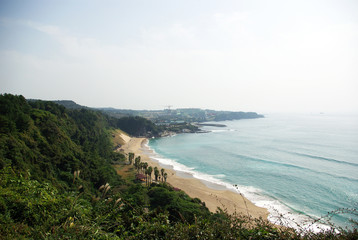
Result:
x=300 y=167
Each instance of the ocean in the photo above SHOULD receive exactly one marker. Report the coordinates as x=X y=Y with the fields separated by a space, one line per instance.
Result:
x=299 y=167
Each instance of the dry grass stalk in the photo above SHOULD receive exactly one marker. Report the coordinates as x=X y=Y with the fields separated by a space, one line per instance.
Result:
x=106 y=189
x=76 y=175
x=117 y=201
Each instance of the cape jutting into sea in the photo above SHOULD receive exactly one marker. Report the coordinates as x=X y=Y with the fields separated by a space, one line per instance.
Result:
x=299 y=167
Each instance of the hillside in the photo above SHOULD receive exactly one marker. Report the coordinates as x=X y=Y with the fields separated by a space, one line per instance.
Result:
x=52 y=142
x=57 y=179
x=57 y=182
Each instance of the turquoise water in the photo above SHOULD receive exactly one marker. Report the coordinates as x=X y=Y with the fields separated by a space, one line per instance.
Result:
x=297 y=166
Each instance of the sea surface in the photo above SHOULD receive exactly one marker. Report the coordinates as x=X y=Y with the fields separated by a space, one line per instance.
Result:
x=299 y=167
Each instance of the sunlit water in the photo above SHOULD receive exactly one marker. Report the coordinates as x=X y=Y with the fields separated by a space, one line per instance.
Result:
x=297 y=166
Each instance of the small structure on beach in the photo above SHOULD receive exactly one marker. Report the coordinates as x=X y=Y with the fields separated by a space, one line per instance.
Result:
x=117 y=147
x=140 y=177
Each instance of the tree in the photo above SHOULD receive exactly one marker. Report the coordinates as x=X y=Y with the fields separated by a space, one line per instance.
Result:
x=146 y=177
x=165 y=177
x=162 y=172
x=130 y=158
x=150 y=170
x=141 y=167
x=137 y=163
x=145 y=166
x=137 y=126
x=156 y=173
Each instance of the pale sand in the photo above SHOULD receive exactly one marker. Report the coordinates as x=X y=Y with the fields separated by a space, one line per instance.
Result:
x=119 y=137
x=225 y=199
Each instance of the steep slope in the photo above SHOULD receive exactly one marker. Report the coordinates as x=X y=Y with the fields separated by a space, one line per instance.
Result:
x=52 y=142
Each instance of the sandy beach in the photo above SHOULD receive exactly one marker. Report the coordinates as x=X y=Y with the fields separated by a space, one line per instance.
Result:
x=213 y=198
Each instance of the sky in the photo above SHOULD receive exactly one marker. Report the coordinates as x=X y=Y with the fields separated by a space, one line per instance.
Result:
x=263 y=56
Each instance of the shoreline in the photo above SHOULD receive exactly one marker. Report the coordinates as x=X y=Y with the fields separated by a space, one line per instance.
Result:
x=213 y=196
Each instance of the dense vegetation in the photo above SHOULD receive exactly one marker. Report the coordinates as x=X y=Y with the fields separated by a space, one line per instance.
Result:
x=138 y=126
x=51 y=142
x=69 y=104
x=57 y=182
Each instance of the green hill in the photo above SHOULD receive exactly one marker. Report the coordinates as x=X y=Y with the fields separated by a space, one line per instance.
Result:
x=57 y=182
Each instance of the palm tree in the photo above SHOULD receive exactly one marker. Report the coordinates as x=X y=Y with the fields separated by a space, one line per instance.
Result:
x=130 y=158
x=145 y=165
x=141 y=167
x=137 y=163
x=150 y=170
x=156 y=173
x=162 y=172
x=146 y=176
x=165 y=176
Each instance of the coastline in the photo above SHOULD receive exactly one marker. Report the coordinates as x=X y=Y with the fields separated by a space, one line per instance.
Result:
x=195 y=188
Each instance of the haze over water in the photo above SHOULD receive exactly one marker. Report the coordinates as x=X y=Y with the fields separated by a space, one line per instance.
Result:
x=296 y=165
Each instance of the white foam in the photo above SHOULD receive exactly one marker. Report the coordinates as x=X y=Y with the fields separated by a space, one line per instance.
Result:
x=279 y=213
x=173 y=164
x=283 y=215
x=221 y=130
x=216 y=130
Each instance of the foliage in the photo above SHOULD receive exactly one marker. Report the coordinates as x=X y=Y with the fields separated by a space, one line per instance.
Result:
x=137 y=126
x=179 y=205
x=53 y=142
x=37 y=210
x=56 y=182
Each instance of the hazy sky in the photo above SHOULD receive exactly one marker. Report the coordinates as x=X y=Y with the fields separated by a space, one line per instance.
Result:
x=264 y=56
